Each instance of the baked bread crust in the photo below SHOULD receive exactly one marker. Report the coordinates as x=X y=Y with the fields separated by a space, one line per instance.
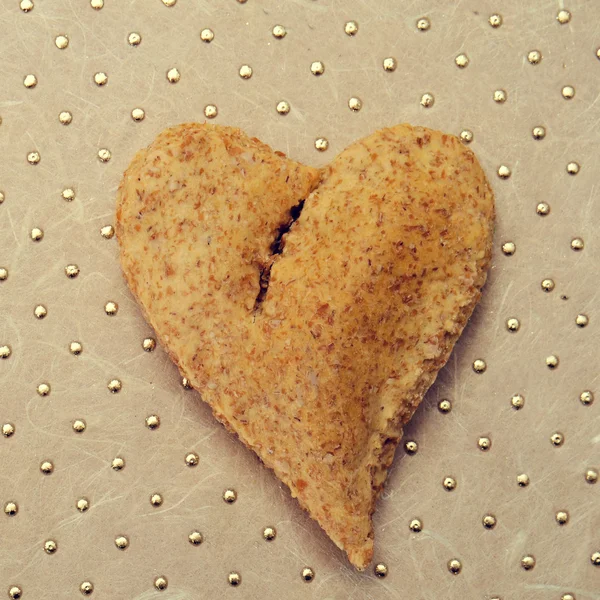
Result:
x=359 y=309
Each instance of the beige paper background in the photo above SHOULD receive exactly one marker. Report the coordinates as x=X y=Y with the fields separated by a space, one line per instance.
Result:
x=119 y=501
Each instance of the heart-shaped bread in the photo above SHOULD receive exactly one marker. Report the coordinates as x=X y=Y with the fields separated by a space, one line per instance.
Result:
x=314 y=346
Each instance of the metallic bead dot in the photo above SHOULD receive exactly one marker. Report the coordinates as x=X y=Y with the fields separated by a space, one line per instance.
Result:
x=65 y=117
x=509 y=248
x=195 y=538
x=279 y=32
x=534 y=57
x=504 y=172
x=117 y=463
x=557 y=439
x=416 y=526
x=317 y=68
x=152 y=421
x=598 y=53
x=5 y=351
x=68 y=194
x=567 y=596
x=484 y=443
x=562 y=517
x=1 y=193
x=462 y=61
x=495 y=20
x=30 y=81
x=500 y=96
x=100 y=79
x=390 y=64
x=37 y=234
x=548 y=285
x=107 y=232
x=79 y=425
x=104 y=155
x=411 y=447
x=489 y=521
x=595 y=559
x=234 y=578
x=43 y=389
x=8 y=429
x=591 y=476
x=528 y=562
x=61 y=41
x=427 y=100
x=242 y=1
x=82 y=504
x=3 y=274
x=173 y=75
x=11 y=509
x=586 y=397
x=149 y=344
x=33 y=158
x=245 y=71
x=538 y=133
x=454 y=566
x=513 y=324
x=15 y=591
x=134 y=39
x=86 y=588
x=479 y=365
x=169 y=2
x=230 y=496
x=423 y=24
x=161 y=583
x=210 y=111
x=445 y=406
x=97 y=4
x=40 y=311
x=351 y=28
x=552 y=361
x=192 y=459
x=156 y=500
x=185 y=383
x=26 y=5
x=449 y=483
x=207 y=35
x=542 y=209
x=308 y=574
x=114 y=386
x=563 y=16
x=138 y=114
x=321 y=144
x=47 y=467
x=111 y=308
x=517 y=401
x=122 y=542
x=354 y=104
x=568 y=92
x=72 y=271
x=581 y=320
x=466 y=136
x=50 y=546
x=523 y=480
x=269 y=534
x=283 y=107
x=577 y=244
x=573 y=168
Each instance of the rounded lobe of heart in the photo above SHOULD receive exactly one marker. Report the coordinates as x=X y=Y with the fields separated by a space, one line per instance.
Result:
x=361 y=308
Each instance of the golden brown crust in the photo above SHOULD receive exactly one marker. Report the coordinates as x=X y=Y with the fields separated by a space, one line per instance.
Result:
x=375 y=283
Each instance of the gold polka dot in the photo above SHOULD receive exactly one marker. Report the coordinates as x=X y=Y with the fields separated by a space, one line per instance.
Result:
x=65 y=117
x=185 y=383
x=462 y=61
x=195 y=538
x=548 y=285
x=321 y=144
x=43 y=389
x=513 y=324
x=122 y=542
x=61 y=41
x=134 y=39
x=79 y=426
x=427 y=100
x=454 y=566
x=523 y=480
x=207 y=35
x=552 y=361
x=152 y=421
x=37 y=234
x=423 y=24
x=104 y=155
x=149 y=344
x=573 y=168
x=466 y=136
x=577 y=244
x=317 y=68
x=495 y=20
x=449 y=483
x=411 y=447
x=107 y=232
x=161 y=583
x=26 y=5
x=173 y=75
x=563 y=16
x=97 y=4
x=557 y=439
x=351 y=28
x=11 y=509
x=169 y=2
x=71 y=271
x=581 y=321
x=595 y=559
x=230 y=496
x=308 y=574
x=111 y=308
x=14 y=591
x=479 y=365
x=489 y=521
x=100 y=79
x=269 y=534
x=534 y=57
x=114 y=386
x=33 y=158
x=500 y=96
x=30 y=81
x=210 y=111
x=1 y=193
x=82 y=504
x=416 y=526
x=8 y=430
x=50 y=546
x=509 y=248
x=538 y=133
x=138 y=114
x=5 y=351
x=156 y=500
x=86 y=588
x=445 y=406
x=591 y=476
x=562 y=517
x=517 y=401
x=234 y=578
x=3 y=274
x=568 y=92
x=586 y=398
x=390 y=64
x=68 y=194
x=598 y=53
x=542 y=209
x=283 y=107
x=40 y=311
x=504 y=172
x=528 y=562
x=245 y=71
x=567 y=596
x=47 y=467
x=192 y=459
x=484 y=443
x=117 y=463
x=279 y=31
